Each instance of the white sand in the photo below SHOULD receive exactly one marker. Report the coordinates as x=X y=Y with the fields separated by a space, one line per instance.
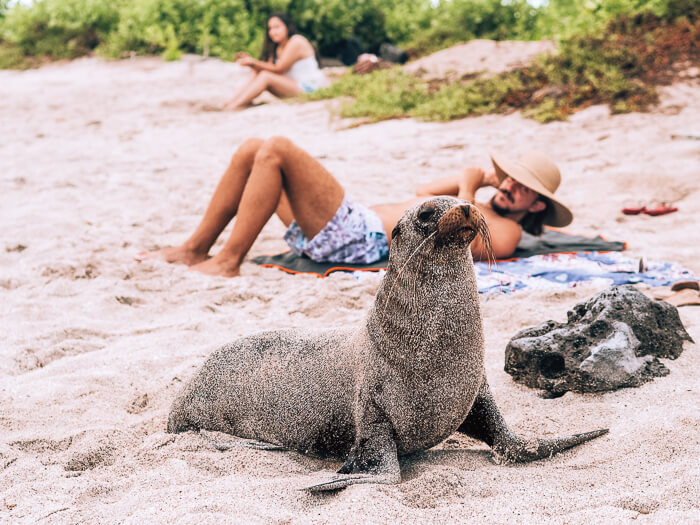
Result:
x=99 y=160
x=476 y=57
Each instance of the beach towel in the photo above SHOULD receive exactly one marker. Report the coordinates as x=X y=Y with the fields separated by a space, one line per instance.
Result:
x=551 y=241
x=554 y=260
x=567 y=270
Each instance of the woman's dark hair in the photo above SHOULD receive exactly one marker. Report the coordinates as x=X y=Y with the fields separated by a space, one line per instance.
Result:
x=269 y=47
x=533 y=223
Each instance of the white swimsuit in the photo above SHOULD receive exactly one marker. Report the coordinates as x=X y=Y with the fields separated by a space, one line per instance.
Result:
x=307 y=74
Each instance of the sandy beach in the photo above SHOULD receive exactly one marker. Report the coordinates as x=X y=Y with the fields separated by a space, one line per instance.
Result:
x=99 y=160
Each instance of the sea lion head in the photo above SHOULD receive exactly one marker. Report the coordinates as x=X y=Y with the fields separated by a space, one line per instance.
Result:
x=426 y=315
x=443 y=226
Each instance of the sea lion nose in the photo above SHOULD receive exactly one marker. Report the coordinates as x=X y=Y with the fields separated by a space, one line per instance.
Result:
x=456 y=219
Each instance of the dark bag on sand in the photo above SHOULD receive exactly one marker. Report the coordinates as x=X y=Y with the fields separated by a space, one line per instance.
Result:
x=391 y=53
x=350 y=49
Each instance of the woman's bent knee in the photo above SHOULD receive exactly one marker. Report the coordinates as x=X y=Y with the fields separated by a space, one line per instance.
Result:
x=264 y=78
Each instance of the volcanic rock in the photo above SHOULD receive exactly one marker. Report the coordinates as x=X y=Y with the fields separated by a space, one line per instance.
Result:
x=610 y=341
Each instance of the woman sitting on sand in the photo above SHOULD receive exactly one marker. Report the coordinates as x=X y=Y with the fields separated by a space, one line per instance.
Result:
x=287 y=67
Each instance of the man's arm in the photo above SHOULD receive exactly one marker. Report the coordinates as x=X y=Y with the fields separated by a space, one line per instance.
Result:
x=463 y=186
x=503 y=244
x=446 y=186
x=505 y=233
x=505 y=236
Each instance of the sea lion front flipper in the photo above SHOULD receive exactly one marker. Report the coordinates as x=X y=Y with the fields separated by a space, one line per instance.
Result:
x=341 y=482
x=485 y=422
x=372 y=459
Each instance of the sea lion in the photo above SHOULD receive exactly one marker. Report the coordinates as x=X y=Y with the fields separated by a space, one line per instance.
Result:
x=407 y=378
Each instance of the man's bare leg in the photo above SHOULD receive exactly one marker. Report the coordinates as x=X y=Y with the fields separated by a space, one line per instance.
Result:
x=222 y=208
x=280 y=166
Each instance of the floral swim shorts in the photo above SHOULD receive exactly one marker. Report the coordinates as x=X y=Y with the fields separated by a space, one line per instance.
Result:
x=355 y=234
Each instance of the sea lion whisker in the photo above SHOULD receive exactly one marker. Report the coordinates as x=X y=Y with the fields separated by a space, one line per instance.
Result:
x=486 y=243
x=398 y=273
x=415 y=275
x=414 y=285
x=416 y=251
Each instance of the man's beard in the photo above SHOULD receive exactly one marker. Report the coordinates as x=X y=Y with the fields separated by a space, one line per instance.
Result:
x=500 y=210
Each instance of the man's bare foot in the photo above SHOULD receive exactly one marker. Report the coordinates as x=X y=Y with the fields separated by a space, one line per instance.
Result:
x=217 y=266
x=176 y=254
x=233 y=107
x=210 y=107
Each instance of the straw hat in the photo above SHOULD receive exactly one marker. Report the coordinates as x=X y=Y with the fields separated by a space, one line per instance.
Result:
x=536 y=171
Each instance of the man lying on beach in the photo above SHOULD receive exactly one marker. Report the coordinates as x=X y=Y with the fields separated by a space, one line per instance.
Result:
x=276 y=176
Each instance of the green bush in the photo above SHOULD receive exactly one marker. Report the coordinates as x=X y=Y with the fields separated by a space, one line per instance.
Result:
x=458 y=21
x=563 y=19
x=212 y=27
x=610 y=51
x=67 y=28
x=619 y=66
x=58 y=28
x=11 y=57
x=328 y=23
x=382 y=95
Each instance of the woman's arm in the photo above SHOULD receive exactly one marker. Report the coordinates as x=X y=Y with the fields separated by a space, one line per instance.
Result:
x=293 y=51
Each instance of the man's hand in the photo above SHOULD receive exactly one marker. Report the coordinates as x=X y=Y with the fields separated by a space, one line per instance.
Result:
x=462 y=186
x=471 y=180
x=491 y=179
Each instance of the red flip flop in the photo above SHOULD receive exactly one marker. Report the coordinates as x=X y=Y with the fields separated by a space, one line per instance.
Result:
x=632 y=207
x=633 y=210
x=662 y=209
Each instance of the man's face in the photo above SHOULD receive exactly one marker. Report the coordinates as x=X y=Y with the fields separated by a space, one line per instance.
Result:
x=513 y=197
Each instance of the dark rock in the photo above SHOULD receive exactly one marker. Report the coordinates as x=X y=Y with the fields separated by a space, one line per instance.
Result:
x=612 y=340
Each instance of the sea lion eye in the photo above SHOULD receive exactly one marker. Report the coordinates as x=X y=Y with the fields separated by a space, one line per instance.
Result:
x=395 y=232
x=425 y=214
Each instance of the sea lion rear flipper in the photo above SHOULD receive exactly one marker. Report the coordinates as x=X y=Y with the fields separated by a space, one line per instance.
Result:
x=260 y=445
x=373 y=459
x=485 y=423
x=256 y=444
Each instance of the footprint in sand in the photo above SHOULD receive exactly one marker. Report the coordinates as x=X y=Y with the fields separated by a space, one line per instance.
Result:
x=138 y=404
x=86 y=271
x=42 y=446
x=56 y=345
x=96 y=448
